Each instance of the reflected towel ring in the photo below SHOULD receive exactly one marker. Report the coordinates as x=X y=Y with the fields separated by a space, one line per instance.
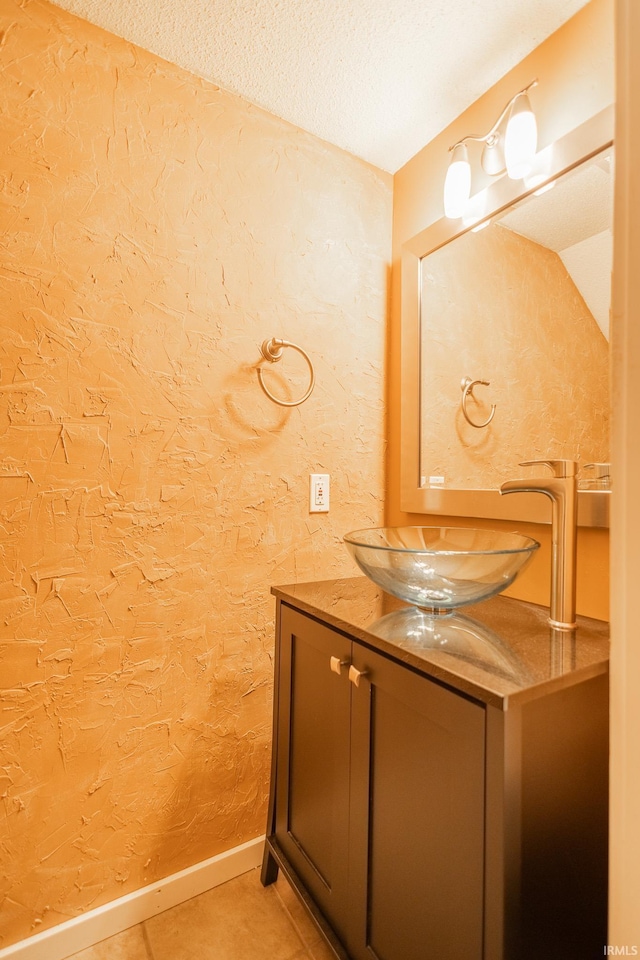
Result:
x=271 y=350
x=467 y=385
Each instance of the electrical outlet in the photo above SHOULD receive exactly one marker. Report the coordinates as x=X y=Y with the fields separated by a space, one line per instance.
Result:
x=319 y=493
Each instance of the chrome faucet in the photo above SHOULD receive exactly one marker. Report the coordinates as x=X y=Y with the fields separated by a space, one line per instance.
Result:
x=562 y=490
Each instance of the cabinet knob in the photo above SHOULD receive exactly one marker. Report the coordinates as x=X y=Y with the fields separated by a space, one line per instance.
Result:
x=356 y=675
x=337 y=664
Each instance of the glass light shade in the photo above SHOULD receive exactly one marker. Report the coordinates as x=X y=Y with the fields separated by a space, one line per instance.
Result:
x=521 y=138
x=457 y=184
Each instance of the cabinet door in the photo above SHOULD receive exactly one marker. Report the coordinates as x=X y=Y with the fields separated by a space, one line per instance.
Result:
x=417 y=816
x=312 y=791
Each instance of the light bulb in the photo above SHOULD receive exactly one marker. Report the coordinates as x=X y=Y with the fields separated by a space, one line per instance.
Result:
x=457 y=185
x=521 y=138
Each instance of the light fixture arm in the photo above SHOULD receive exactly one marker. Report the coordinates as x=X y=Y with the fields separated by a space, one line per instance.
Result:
x=491 y=136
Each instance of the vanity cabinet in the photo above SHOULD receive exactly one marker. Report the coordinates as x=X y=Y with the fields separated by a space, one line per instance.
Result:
x=358 y=760
x=420 y=817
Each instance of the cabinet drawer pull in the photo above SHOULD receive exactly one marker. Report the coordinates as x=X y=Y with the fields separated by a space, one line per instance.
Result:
x=337 y=664
x=356 y=675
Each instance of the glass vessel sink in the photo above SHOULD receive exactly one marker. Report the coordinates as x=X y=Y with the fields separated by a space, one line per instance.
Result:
x=440 y=568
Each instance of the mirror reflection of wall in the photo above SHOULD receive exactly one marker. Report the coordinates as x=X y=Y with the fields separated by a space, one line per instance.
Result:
x=524 y=304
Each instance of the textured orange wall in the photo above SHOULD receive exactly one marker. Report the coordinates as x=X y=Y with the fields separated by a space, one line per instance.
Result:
x=155 y=231
x=497 y=306
x=575 y=69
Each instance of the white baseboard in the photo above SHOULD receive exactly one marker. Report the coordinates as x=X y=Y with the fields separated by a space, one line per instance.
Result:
x=90 y=928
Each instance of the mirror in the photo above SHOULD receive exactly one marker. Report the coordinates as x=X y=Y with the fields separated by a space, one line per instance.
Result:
x=523 y=306
x=510 y=336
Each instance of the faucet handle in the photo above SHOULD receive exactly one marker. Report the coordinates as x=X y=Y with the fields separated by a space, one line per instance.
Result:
x=559 y=468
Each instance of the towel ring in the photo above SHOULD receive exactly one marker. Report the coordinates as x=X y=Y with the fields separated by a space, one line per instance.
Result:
x=467 y=385
x=271 y=350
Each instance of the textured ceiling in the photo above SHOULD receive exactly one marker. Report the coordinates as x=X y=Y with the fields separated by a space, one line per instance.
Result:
x=575 y=219
x=579 y=206
x=379 y=78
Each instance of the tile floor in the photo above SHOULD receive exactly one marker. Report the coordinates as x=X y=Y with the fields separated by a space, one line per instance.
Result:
x=239 y=920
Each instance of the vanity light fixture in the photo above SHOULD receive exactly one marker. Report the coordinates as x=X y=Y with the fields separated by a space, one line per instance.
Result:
x=510 y=145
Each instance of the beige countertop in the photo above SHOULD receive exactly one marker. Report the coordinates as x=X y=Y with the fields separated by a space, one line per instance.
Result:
x=500 y=651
